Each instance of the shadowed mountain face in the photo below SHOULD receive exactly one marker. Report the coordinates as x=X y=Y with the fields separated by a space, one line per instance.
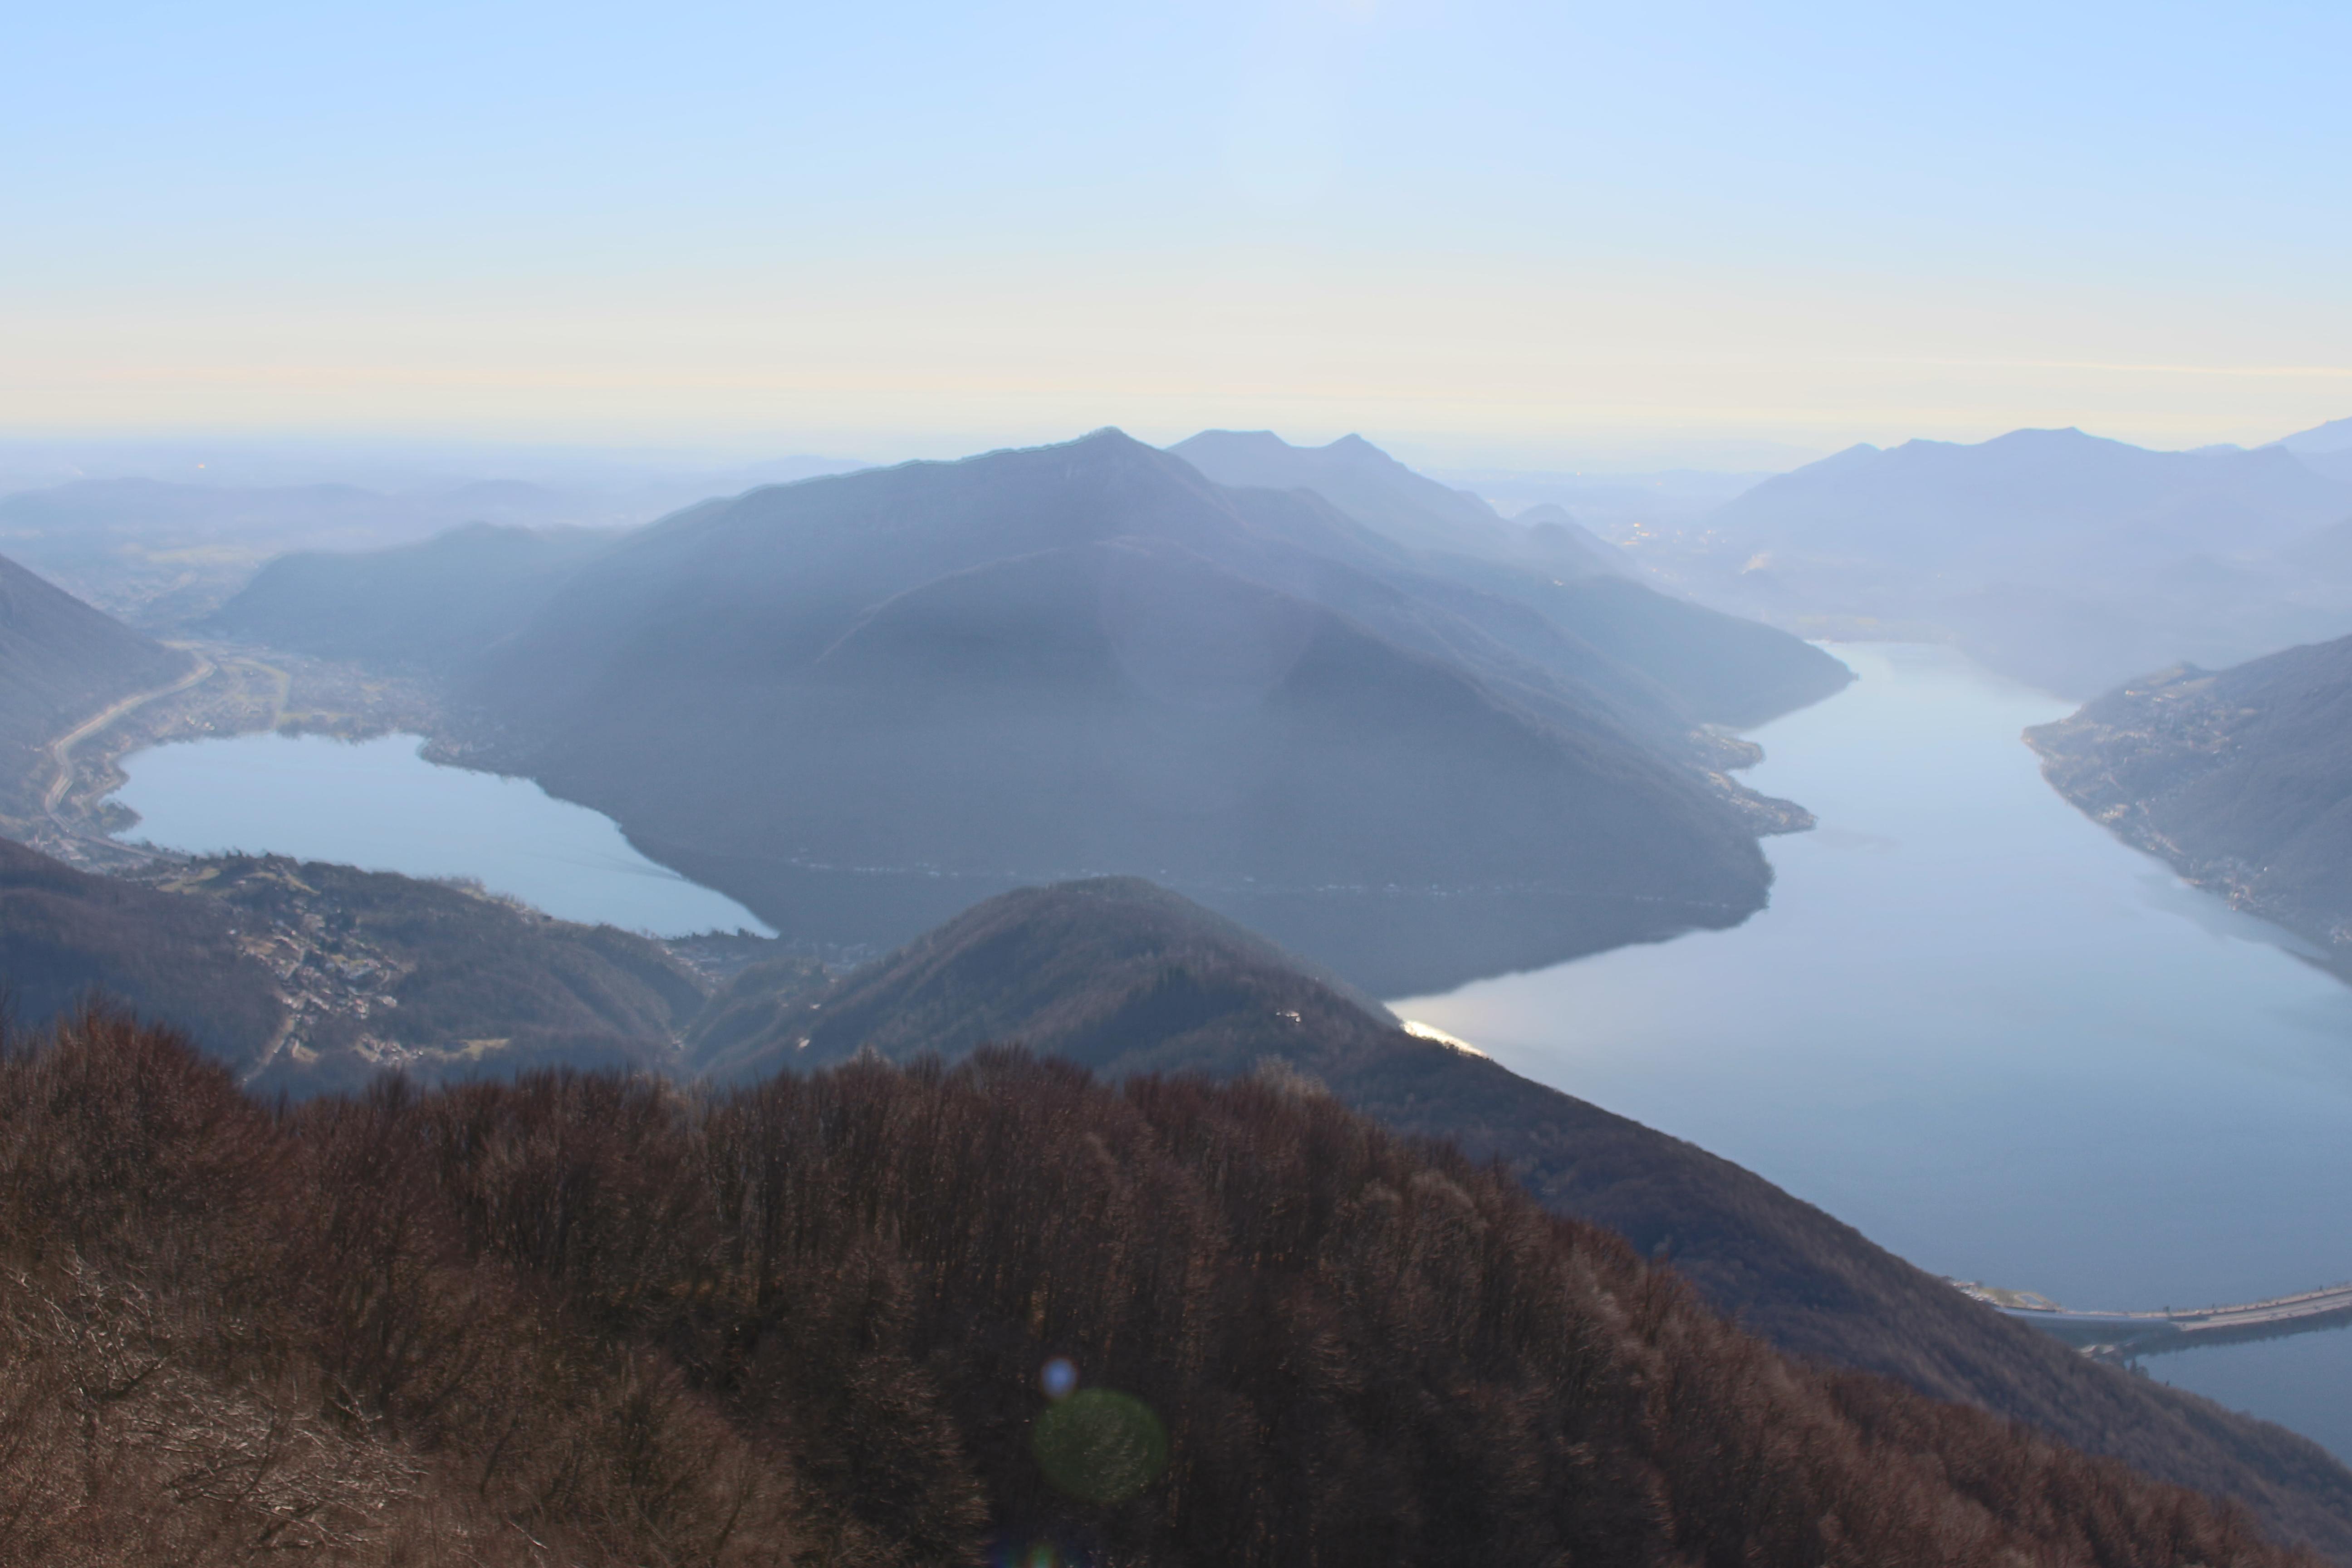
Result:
x=306 y=977
x=66 y=935
x=860 y=704
x=430 y=606
x=2053 y=556
x=2241 y=778
x=1125 y=977
x=1554 y=538
x=1712 y=667
x=60 y=662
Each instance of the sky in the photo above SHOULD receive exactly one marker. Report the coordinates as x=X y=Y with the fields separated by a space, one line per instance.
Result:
x=1534 y=235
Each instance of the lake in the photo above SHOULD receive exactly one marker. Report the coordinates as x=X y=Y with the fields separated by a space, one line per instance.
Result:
x=377 y=804
x=1995 y=1039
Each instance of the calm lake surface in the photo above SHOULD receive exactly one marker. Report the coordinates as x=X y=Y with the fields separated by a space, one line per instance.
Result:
x=378 y=805
x=1978 y=1028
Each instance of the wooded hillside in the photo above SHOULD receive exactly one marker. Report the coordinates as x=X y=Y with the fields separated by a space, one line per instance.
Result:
x=586 y=1320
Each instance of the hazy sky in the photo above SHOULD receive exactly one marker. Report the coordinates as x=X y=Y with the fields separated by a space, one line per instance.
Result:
x=1543 y=234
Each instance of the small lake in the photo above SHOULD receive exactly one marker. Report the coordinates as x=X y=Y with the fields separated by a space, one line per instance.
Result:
x=377 y=804
x=1978 y=1028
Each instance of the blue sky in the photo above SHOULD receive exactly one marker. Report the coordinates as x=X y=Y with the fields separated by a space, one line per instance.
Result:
x=1484 y=233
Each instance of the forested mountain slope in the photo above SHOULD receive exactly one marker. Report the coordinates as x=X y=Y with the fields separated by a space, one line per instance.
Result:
x=1122 y=977
x=583 y=1319
x=308 y=977
x=60 y=662
x=66 y=935
x=2241 y=778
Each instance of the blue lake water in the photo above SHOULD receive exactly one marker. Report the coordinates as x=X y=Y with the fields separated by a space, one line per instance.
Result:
x=1997 y=1041
x=377 y=804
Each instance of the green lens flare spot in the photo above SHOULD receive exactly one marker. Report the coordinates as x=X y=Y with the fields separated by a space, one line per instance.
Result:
x=1100 y=1446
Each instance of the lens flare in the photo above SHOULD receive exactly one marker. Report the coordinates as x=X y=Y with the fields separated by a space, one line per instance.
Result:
x=1100 y=1446
x=1059 y=1378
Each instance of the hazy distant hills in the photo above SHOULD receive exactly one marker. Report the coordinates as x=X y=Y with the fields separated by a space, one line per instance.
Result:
x=1715 y=668
x=862 y=703
x=429 y=605
x=1392 y=501
x=1125 y=977
x=162 y=555
x=2241 y=778
x=158 y=552
x=60 y=662
x=1554 y=537
x=1359 y=479
x=2061 y=558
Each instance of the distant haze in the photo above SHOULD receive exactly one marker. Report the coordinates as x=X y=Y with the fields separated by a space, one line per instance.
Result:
x=1484 y=234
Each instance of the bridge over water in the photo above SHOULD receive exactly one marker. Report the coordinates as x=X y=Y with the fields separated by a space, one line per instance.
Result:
x=2127 y=1336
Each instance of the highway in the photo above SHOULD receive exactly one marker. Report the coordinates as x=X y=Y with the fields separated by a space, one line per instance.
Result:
x=61 y=749
x=2122 y=1336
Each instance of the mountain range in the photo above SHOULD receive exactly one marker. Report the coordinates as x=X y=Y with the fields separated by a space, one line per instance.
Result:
x=2059 y=558
x=161 y=554
x=860 y=703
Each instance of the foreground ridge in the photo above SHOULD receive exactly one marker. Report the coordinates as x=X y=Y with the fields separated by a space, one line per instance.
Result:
x=583 y=1318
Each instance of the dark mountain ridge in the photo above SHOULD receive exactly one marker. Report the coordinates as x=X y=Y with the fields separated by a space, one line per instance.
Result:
x=308 y=977
x=580 y=1319
x=1122 y=977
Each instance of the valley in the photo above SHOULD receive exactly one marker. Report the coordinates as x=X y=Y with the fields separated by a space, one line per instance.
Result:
x=1226 y=699
x=1865 y=940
